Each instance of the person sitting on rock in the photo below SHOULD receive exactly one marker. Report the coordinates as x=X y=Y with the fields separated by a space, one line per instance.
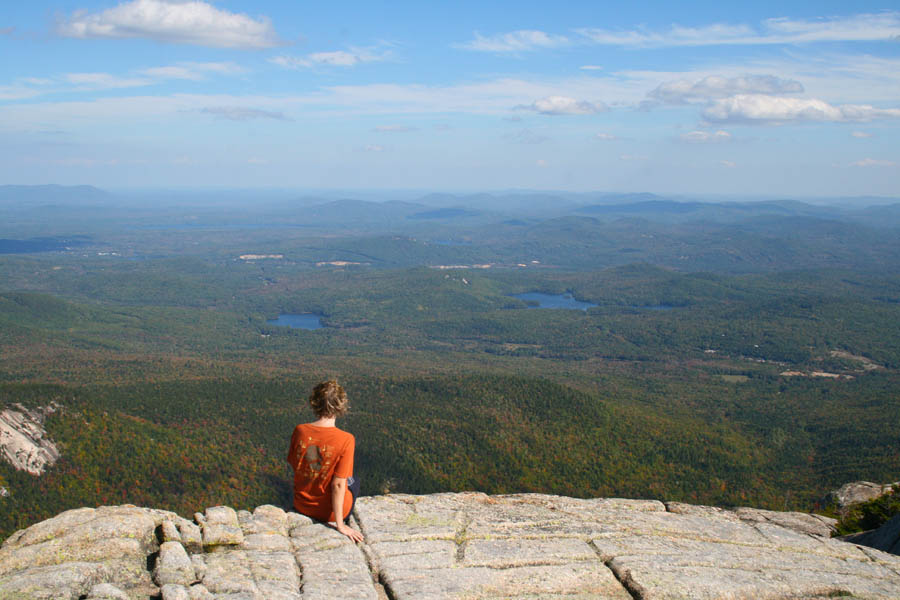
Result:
x=322 y=458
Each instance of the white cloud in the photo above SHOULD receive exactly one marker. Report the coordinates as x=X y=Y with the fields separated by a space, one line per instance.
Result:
x=489 y=97
x=494 y=96
x=127 y=111
x=525 y=136
x=606 y=137
x=172 y=72
x=515 y=41
x=882 y=26
x=79 y=161
x=382 y=101
x=675 y=36
x=17 y=92
x=374 y=148
x=289 y=62
x=30 y=87
x=103 y=81
x=873 y=162
x=192 y=71
x=564 y=105
x=175 y=21
x=839 y=77
x=338 y=58
x=394 y=129
x=854 y=78
x=683 y=91
x=706 y=137
x=758 y=108
x=591 y=68
x=241 y=113
x=219 y=68
x=862 y=134
x=862 y=27
x=727 y=164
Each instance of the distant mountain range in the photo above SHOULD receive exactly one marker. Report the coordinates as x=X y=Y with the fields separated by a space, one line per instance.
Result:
x=445 y=213
x=35 y=195
x=42 y=244
x=443 y=208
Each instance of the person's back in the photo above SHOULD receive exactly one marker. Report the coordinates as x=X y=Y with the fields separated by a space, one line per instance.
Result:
x=321 y=456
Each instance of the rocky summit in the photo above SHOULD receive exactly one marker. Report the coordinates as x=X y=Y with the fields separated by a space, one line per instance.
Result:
x=466 y=545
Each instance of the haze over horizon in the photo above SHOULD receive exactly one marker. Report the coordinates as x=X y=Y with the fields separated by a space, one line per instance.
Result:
x=795 y=98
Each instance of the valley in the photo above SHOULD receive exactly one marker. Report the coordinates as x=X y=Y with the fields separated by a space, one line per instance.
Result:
x=719 y=353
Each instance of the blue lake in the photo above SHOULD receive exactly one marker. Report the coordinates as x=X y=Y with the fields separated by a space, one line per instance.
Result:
x=303 y=321
x=553 y=301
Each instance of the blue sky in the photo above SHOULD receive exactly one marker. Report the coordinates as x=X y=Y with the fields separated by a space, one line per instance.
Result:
x=787 y=98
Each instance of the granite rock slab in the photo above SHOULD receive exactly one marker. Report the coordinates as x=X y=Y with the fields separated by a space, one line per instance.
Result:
x=534 y=546
x=445 y=546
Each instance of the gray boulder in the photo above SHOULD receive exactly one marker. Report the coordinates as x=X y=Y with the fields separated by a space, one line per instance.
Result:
x=168 y=532
x=173 y=566
x=199 y=592
x=171 y=591
x=800 y=522
x=856 y=492
x=220 y=527
x=191 y=536
x=66 y=556
x=106 y=591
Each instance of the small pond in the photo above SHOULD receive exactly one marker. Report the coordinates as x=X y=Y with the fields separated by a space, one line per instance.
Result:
x=553 y=301
x=301 y=321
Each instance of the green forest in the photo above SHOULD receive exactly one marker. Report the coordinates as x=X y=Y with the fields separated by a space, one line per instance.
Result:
x=751 y=363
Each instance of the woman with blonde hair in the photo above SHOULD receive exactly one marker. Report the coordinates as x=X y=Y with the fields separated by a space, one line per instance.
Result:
x=322 y=458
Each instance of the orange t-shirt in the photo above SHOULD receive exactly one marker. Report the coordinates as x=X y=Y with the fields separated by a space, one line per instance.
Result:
x=317 y=454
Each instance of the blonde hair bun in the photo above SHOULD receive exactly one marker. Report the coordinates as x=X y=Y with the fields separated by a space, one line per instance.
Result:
x=328 y=399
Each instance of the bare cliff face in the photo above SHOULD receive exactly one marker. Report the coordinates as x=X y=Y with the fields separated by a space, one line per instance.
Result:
x=445 y=546
x=23 y=440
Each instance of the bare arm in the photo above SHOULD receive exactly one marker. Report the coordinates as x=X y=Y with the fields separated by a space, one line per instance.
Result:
x=338 y=489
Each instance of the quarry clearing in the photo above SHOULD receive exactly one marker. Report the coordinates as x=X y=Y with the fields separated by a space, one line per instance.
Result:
x=865 y=363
